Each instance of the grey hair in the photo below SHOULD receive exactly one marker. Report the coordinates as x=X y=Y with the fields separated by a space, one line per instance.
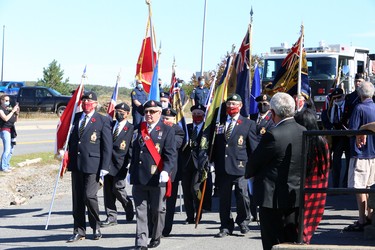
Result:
x=366 y=90
x=283 y=105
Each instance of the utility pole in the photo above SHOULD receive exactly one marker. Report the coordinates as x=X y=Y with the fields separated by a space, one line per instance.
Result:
x=2 y=55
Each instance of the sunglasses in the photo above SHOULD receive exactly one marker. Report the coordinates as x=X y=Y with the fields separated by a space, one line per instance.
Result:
x=150 y=111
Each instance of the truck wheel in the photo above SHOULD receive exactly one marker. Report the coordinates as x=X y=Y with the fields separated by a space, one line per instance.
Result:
x=60 y=110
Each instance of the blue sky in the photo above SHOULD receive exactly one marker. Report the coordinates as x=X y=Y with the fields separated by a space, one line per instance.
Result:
x=106 y=35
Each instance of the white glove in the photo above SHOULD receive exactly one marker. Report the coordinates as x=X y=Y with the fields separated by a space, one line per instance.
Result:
x=211 y=167
x=164 y=177
x=60 y=154
x=103 y=173
x=128 y=178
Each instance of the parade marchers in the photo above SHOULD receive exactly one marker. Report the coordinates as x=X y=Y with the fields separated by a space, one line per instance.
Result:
x=152 y=158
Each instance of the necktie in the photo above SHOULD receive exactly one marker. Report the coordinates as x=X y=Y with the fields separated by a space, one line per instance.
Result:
x=149 y=128
x=82 y=127
x=336 y=115
x=229 y=129
x=259 y=119
x=194 y=135
x=115 y=134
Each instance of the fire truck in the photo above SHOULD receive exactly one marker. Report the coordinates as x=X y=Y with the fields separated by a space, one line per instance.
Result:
x=324 y=63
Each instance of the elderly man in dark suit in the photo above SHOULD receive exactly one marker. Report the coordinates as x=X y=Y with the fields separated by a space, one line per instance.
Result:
x=153 y=161
x=90 y=150
x=235 y=140
x=114 y=182
x=276 y=165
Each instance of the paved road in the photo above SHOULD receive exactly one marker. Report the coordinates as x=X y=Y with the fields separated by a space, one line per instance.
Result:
x=22 y=227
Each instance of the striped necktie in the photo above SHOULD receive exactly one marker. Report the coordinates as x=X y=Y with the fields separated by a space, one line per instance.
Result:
x=82 y=127
x=115 y=134
x=229 y=129
x=194 y=135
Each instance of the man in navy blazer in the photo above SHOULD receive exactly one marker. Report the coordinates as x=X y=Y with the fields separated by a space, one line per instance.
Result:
x=90 y=150
x=150 y=181
x=235 y=140
x=276 y=167
x=114 y=182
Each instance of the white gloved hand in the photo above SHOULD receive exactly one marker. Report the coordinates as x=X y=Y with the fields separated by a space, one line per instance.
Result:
x=103 y=173
x=211 y=167
x=60 y=154
x=128 y=178
x=164 y=177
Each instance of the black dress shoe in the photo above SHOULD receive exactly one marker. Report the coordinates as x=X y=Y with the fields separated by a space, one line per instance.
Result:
x=154 y=243
x=129 y=211
x=97 y=235
x=189 y=221
x=141 y=248
x=223 y=233
x=75 y=237
x=244 y=229
x=108 y=223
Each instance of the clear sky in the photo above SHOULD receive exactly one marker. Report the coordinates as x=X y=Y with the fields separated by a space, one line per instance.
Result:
x=106 y=35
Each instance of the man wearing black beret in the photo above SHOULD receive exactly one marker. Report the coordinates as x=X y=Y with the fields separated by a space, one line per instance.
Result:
x=114 y=182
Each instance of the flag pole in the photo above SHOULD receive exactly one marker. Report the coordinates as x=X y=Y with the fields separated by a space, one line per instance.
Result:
x=217 y=122
x=64 y=149
x=250 y=47
x=300 y=65
x=203 y=35
x=148 y=2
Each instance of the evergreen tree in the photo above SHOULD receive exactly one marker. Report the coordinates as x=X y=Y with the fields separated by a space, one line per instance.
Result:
x=53 y=78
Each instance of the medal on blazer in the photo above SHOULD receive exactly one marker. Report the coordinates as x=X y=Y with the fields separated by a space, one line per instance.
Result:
x=160 y=134
x=153 y=169
x=123 y=145
x=263 y=130
x=93 y=137
x=220 y=129
x=241 y=165
x=240 y=141
x=141 y=141
x=157 y=146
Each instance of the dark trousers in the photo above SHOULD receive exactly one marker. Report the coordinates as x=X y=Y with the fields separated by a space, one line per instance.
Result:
x=226 y=183
x=114 y=189
x=171 y=205
x=340 y=144
x=190 y=186
x=84 y=192
x=278 y=226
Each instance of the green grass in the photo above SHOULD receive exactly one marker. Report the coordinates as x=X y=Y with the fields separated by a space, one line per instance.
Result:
x=47 y=158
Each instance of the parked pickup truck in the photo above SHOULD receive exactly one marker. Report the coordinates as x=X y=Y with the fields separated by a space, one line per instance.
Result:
x=10 y=87
x=39 y=98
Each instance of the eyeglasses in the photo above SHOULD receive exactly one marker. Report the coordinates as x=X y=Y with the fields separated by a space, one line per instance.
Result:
x=150 y=111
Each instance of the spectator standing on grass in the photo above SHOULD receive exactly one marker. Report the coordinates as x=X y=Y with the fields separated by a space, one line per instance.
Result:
x=8 y=117
x=318 y=161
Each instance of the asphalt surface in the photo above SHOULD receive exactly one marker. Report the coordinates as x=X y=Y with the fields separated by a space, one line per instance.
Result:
x=23 y=227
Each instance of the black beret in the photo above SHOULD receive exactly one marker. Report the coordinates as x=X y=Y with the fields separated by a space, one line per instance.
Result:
x=152 y=104
x=234 y=97
x=359 y=76
x=263 y=98
x=198 y=106
x=89 y=95
x=164 y=95
x=169 y=112
x=122 y=106
x=337 y=92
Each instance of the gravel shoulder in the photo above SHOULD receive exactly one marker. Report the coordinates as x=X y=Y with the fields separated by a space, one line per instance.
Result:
x=30 y=184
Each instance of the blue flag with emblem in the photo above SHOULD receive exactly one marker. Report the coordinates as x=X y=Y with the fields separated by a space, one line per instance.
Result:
x=154 y=89
x=255 y=91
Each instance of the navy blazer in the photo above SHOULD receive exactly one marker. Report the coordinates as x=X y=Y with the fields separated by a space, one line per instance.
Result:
x=142 y=168
x=276 y=166
x=231 y=156
x=122 y=151
x=92 y=152
x=265 y=124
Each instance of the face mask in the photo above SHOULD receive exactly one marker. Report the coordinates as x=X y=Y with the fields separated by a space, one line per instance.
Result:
x=201 y=83
x=164 y=105
x=232 y=111
x=197 y=119
x=119 y=116
x=263 y=108
x=140 y=86
x=180 y=85
x=87 y=107
x=6 y=104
